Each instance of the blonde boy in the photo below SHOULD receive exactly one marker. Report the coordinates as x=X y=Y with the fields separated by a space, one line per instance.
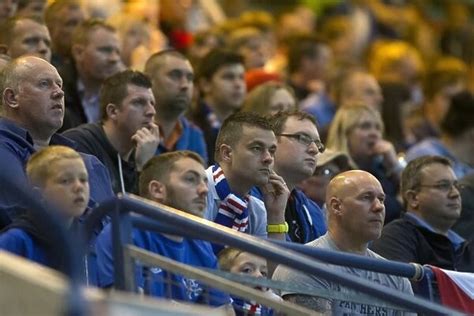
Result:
x=61 y=176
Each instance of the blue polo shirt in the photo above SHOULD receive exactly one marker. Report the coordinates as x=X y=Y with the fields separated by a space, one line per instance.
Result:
x=156 y=281
x=191 y=138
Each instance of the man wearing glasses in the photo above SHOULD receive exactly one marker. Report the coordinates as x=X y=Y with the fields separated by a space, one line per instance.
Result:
x=298 y=145
x=433 y=203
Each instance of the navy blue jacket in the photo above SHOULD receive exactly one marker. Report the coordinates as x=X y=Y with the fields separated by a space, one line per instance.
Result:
x=310 y=216
x=16 y=147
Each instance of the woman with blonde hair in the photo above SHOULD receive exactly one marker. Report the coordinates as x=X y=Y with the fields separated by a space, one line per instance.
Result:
x=357 y=131
x=270 y=98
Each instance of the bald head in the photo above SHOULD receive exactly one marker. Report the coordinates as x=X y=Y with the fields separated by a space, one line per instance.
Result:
x=356 y=211
x=32 y=96
x=345 y=183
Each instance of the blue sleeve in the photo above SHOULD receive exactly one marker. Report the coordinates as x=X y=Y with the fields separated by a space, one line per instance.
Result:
x=18 y=242
x=193 y=139
x=319 y=219
x=105 y=260
x=99 y=179
x=13 y=172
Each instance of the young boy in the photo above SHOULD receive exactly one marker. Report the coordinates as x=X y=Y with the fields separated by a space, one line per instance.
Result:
x=241 y=262
x=61 y=176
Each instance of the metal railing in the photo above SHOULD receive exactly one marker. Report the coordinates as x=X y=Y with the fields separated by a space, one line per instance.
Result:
x=160 y=218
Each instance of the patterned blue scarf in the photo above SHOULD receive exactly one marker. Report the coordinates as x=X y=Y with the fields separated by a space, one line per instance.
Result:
x=233 y=212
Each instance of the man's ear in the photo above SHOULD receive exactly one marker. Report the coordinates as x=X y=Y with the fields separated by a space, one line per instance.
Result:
x=225 y=152
x=156 y=190
x=411 y=196
x=10 y=98
x=335 y=206
x=111 y=111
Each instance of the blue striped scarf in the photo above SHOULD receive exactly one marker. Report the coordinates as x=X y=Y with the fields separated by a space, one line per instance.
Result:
x=233 y=212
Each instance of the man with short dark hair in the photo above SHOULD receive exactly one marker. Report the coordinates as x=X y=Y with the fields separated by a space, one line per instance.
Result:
x=220 y=77
x=244 y=156
x=356 y=212
x=172 y=78
x=423 y=235
x=33 y=110
x=127 y=137
x=25 y=36
x=96 y=53
x=295 y=160
x=309 y=58
x=176 y=179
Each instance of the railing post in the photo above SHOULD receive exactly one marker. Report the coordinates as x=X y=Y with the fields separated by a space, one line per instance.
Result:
x=124 y=274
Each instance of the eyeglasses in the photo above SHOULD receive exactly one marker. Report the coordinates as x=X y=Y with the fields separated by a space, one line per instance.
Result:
x=445 y=186
x=305 y=140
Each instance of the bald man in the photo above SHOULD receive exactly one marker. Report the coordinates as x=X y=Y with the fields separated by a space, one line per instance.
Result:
x=32 y=103
x=356 y=211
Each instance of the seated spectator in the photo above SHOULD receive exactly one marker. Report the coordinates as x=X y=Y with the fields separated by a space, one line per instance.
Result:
x=172 y=77
x=446 y=77
x=176 y=179
x=355 y=208
x=357 y=132
x=95 y=49
x=241 y=262
x=351 y=86
x=250 y=43
x=398 y=61
x=33 y=111
x=245 y=150
x=329 y=164
x=7 y=9
x=296 y=156
x=270 y=98
x=60 y=175
x=465 y=223
x=127 y=136
x=220 y=78
x=34 y=8
x=62 y=17
x=455 y=143
x=423 y=235
x=309 y=58
x=25 y=36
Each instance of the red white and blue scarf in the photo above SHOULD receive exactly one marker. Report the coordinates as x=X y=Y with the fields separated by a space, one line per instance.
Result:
x=233 y=212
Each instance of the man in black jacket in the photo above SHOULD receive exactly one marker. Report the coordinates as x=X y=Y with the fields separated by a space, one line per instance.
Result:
x=127 y=136
x=423 y=235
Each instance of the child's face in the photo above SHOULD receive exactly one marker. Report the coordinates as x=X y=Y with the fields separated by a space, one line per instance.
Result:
x=68 y=186
x=247 y=263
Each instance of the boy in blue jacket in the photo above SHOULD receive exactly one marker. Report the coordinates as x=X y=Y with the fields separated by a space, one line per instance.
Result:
x=60 y=175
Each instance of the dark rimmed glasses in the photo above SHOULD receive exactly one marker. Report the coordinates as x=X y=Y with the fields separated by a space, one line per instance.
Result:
x=306 y=140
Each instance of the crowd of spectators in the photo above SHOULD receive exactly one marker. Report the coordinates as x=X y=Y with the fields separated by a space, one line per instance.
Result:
x=347 y=126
